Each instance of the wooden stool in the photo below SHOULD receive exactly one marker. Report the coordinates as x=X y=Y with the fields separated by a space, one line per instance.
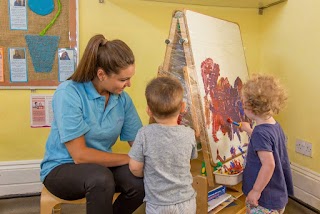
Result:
x=50 y=203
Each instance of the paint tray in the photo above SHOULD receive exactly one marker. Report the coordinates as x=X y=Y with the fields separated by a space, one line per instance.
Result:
x=226 y=179
x=221 y=177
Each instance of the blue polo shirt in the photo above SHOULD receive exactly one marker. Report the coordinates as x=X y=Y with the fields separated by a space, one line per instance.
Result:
x=79 y=110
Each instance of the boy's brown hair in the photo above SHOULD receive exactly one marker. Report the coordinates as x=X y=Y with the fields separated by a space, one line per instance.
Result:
x=164 y=96
x=264 y=95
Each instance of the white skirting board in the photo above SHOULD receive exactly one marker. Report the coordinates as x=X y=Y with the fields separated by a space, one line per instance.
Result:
x=20 y=177
x=23 y=177
x=306 y=185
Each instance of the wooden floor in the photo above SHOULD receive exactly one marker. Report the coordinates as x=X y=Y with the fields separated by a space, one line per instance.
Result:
x=30 y=205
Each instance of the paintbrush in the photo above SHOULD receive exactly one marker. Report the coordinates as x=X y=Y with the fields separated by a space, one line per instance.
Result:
x=229 y=120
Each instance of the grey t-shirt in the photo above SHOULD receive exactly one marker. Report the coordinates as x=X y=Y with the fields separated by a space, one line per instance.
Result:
x=166 y=152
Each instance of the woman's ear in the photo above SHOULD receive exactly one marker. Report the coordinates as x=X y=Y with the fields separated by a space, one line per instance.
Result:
x=183 y=107
x=101 y=74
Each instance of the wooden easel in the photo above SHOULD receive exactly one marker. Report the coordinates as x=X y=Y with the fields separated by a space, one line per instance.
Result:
x=179 y=62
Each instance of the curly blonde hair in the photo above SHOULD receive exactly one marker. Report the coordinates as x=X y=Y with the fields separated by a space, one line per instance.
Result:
x=264 y=95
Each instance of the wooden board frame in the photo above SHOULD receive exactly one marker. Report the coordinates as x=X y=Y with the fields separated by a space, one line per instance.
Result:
x=178 y=38
x=40 y=80
x=179 y=51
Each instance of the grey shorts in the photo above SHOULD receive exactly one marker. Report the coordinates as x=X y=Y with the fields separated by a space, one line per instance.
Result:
x=186 y=207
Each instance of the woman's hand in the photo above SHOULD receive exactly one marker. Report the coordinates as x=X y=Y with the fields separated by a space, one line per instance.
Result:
x=80 y=153
x=253 y=198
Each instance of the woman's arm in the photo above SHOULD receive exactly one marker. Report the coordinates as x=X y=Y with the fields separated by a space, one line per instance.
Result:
x=80 y=153
x=264 y=176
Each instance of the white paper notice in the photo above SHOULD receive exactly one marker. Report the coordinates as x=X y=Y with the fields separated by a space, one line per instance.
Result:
x=18 y=65
x=67 y=62
x=41 y=110
x=18 y=15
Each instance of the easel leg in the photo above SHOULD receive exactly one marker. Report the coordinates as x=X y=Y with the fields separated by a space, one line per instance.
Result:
x=200 y=185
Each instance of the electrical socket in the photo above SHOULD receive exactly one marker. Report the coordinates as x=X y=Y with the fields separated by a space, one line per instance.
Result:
x=304 y=147
x=300 y=146
x=308 y=149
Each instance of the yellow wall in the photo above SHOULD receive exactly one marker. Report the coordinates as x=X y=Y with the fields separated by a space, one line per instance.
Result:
x=284 y=41
x=144 y=26
x=290 y=44
x=17 y=140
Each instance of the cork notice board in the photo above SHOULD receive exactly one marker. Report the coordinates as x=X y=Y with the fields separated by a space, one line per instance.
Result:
x=65 y=27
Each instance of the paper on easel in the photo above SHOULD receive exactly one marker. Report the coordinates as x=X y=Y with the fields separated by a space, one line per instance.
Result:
x=41 y=110
x=217 y=201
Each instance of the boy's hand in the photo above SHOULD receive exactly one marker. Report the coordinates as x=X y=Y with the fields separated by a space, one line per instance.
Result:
x=253 y=198
x=245 y=126
x=136 y=167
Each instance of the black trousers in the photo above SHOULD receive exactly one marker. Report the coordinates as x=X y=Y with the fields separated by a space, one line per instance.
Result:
x=98 y=184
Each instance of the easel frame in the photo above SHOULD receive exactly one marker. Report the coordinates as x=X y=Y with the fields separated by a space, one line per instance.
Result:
x=179 y=49
x=187 y=73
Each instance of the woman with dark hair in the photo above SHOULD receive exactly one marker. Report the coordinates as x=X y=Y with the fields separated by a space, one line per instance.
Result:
x=91 y=110
x=64 y=56
x=17 y=55
x=18 y=3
